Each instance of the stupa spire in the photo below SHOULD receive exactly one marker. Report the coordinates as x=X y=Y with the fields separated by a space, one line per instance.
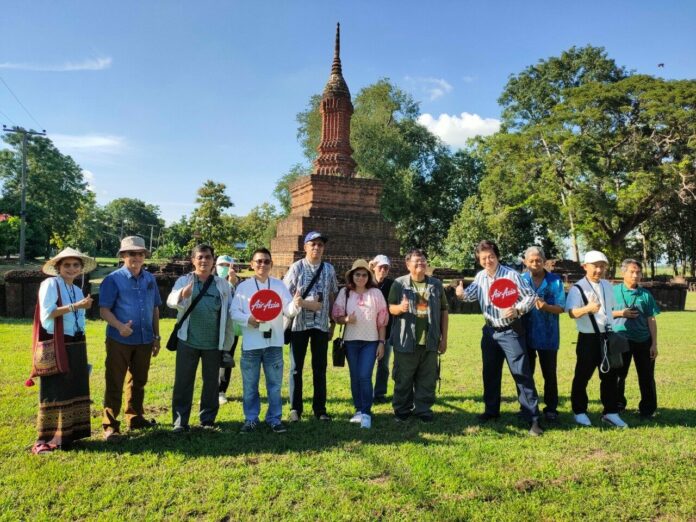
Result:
x=335 y=153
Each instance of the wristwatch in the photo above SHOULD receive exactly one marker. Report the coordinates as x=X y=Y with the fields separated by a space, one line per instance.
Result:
x=157 y=338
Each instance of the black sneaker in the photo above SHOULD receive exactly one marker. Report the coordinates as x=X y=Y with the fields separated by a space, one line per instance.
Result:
x=210 y=426
x=279 y=428
x=485 y=416
x=426 y=417
x=401 y=417
x=551 y=416
x=380 y=399
x=248 y=427
x=181 y=429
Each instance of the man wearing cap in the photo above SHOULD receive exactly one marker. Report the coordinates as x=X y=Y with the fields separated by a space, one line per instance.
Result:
x=503 y=338
x=128 y=301
x=419 y=332
x=593 y=298
x=380 y=266
x=224 y=266
x=314 y=281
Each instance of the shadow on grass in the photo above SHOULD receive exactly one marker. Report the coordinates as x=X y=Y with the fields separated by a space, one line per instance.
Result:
x=313 y=436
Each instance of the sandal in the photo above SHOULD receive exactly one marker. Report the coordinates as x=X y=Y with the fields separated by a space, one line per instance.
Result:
x=41 y=448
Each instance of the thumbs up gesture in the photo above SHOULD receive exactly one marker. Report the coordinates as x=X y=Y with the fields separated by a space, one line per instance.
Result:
x=297 y=299
x=459 y=291
x=85 y=303
x=125 y=329
x=404 y=304
x=351 y=319
x=187 y=291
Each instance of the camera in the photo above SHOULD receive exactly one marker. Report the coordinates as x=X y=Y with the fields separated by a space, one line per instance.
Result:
x=320 y=297
x=267 y=335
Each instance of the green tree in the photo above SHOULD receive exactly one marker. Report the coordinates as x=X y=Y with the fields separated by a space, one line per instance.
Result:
x=207 y=219
x=129 y=217
x=256 y=229
x=55 y=190
x=282 y=189
x=87 y=233
x=9 y=235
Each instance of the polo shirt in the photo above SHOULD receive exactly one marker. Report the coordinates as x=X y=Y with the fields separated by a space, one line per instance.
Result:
x=542 y=327
x=640 y=298
x=130 y=298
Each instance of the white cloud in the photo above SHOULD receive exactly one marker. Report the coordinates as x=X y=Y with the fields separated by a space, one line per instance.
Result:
x=90 y=64
x=89 y=178
x=101 y=143
x=434 y=88
x=456 y=130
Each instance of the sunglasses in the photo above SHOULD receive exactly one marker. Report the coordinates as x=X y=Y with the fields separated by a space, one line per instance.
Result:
x=262 y=261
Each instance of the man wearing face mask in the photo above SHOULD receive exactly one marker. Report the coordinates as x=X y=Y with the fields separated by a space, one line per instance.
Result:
x=224 y=266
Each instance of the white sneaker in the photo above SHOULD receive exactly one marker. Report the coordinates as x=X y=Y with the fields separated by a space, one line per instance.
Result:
x=583 y=420
x=222 y=399
x=366 y=421
x=614 y=420
x=294 y=416
x=357 y=418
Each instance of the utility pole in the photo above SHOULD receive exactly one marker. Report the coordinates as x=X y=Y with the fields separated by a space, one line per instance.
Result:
x=152 y=228
x=23 y=209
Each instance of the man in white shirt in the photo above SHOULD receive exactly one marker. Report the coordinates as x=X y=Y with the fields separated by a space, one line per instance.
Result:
x=598 y=303
x=262 y=343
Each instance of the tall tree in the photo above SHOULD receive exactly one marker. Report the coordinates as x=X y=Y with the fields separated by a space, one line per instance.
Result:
x=55 y=190
x=129 y=217
x=206 y=220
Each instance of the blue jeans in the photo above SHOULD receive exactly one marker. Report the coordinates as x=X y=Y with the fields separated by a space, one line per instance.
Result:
x=361 y=357
x=250 y=363
x=497 y=347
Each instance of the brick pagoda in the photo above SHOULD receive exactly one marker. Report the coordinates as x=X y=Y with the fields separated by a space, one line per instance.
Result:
x=332 y=200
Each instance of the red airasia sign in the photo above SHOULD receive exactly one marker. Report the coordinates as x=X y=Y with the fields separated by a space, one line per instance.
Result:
x=265 y=305
x=503 y=293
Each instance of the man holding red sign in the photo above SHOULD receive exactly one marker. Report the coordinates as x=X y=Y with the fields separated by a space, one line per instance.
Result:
x=504 y=297
x=258 y=307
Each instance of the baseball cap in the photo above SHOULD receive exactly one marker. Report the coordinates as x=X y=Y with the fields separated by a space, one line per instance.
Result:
x=224 y=259
x=380 y=260
x=315 y=235
x=595 y=256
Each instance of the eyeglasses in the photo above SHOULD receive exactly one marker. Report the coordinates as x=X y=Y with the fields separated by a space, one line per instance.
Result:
x=135 y=254
x=360 y=274
x=261 y=262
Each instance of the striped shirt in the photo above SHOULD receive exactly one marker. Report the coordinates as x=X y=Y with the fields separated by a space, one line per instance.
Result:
x=478 y=291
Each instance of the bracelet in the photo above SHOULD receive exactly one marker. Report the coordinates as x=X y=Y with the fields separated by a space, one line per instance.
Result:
x=380 y=341
x=71 y=307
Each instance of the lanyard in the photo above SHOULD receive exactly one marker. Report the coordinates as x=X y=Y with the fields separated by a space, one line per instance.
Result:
x=623 y=294
x=257 y=284
x=602 y=302
x=72 y=297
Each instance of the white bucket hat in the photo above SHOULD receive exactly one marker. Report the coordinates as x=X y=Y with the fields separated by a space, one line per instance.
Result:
x=88 y=264
x=132 y=244
x=380 y=260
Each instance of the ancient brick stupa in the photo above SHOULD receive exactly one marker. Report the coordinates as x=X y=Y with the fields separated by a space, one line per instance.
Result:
x=332 y=200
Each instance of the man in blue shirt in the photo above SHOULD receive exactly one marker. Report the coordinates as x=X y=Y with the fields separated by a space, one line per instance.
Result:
x=128 y=302
x=541 y=324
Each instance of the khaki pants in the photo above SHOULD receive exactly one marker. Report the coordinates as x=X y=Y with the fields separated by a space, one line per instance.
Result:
x=133 y=361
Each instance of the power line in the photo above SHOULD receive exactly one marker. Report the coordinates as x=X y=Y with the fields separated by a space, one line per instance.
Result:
x=9 y=119
x=20 y=103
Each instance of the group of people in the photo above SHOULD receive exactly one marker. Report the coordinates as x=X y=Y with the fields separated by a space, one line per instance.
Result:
x=406 y=317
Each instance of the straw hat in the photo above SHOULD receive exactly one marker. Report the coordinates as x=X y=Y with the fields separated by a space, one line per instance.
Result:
x=360 y=263
x=132 y=244
x=88 y=264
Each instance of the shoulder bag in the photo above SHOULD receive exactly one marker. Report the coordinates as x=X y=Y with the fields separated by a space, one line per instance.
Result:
x=614 y=344
x=287 y=332
x=173 y=338
x=49 y=356
x=338 y=348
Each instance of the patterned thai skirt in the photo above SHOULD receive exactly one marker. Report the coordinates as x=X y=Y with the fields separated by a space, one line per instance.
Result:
x=64 y=404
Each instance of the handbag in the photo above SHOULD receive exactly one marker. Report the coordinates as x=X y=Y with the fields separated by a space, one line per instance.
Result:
x=287 y=322
x=49 y=356
x=338 y=348
x=174 y=336
x=614 y=344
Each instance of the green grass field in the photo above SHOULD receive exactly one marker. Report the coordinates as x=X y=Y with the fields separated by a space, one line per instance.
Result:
x=452 y=469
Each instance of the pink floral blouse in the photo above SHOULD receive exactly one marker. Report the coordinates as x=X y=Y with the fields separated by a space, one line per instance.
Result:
x=370 y=311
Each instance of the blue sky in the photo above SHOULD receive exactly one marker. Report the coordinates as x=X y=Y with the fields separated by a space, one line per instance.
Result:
x=152 y=98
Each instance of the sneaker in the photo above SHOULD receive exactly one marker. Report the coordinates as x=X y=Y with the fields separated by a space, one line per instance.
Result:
x=324 y=417
x=222 y=398
x=141 y=423
x=357 y=418
x=294 y=416
x=426 y=417
x=366 y=421
x=210 y=426
x=279 y=428
x=180 y=429
x=485 y=416
x=614 y=420
x=248 y=426
x=380 y=399
x=401 y=417
x=535 y=430
x=111 y=435
x=582 y=419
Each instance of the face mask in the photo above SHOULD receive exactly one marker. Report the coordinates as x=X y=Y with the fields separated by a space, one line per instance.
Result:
x=223 y=271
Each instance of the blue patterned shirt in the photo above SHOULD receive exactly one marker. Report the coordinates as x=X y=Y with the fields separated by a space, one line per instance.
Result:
x=542 y=327
x=297 y=279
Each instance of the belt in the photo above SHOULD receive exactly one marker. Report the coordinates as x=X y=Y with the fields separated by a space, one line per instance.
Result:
x=499 y=328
